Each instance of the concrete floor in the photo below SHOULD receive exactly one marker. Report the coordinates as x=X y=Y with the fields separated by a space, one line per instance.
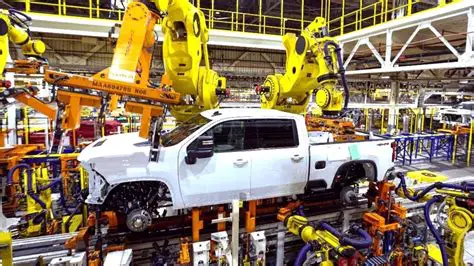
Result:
x=442 y=167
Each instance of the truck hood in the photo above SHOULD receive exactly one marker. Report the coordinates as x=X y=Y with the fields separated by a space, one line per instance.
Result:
x=116 y=155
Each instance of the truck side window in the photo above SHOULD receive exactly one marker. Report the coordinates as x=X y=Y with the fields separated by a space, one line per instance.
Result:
x=276 y=133
x=228 y=136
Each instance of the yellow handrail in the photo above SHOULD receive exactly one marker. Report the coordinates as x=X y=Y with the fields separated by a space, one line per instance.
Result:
x=235 y=20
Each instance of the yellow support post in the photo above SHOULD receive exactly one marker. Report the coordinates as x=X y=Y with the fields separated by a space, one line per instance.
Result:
x=322 y=7
x=260 y=16
x=64 y=8
x=232 y=21
x=212 y=15
x=409 y=8
x=237 y=15
x=84 y=180
x=441 y=2
x=198 y=3
x=423 y=120
x=381 y=123
x=454 y=148
x=282 y=22
x=342 y=16
x=329 y=16
x=97 y=6
x=27 y=6
x=59 y=7
x=302 y=13
x=90 y=8
x=386 y=10
x=26 y=130
x=431 y=119
x=243 y=22
x=415 y=126
x=6 y=251
x=382 y=8
x=361 y=15
x=469 y=146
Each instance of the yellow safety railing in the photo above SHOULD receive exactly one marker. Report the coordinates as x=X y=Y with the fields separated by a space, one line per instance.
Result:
x=345 y=21
x=373 y=14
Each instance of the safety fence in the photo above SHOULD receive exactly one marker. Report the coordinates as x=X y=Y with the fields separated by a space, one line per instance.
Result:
x=373 y=14
x=259 y=18
x=419 y=134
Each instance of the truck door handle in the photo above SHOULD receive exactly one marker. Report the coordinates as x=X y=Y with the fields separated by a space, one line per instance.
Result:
x=240 y=162
x=296 y=158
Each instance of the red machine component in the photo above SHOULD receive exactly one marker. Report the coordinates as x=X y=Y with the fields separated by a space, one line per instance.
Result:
x=86 y=132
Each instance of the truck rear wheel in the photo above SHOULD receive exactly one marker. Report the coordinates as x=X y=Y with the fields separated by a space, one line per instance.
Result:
x=139 y=202
x=349 y=195
x=348 y=176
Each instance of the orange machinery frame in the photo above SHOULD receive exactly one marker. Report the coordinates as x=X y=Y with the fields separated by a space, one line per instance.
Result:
x=378 y=222
x=128 y=75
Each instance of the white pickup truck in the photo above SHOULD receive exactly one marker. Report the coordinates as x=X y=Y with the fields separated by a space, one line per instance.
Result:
x=223 y=155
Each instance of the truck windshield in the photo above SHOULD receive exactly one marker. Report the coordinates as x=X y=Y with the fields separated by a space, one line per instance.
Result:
x=182 y=131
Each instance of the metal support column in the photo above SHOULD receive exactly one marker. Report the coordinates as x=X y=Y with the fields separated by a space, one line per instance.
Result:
x=280 y=259
x=393 y=110
x=237 y=15
x=282 y=21
x=235 y=232
x=260 y=16
x=469 y=146
x=11 y=125
x=470 y=34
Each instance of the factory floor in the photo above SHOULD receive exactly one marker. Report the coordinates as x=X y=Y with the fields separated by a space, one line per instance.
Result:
x=451 y=171
x=442 y=167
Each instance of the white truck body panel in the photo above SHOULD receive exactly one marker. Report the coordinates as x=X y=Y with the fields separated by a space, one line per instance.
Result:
x=249 y=174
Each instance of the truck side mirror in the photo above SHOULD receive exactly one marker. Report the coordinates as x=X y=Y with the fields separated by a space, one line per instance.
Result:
x=203 y=149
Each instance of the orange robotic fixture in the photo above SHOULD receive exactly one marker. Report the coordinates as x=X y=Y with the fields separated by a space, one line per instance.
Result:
x=384 y=224
x=128 y=75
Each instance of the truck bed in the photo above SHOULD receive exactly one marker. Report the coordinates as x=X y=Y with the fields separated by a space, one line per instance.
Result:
x=324 y=138
x=374 y=154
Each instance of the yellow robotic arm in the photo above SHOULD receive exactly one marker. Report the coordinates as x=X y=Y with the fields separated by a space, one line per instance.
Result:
x=312 y=64
x=13 y=28
x=184 y=48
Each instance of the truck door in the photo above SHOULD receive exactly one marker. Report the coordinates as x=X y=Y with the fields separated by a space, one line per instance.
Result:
x=280 y=164
x=224 y=176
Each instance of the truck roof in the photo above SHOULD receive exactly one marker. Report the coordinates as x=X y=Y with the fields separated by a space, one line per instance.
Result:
x=214 y=114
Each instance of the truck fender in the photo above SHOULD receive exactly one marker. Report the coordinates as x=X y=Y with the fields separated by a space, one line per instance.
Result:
x=337 y=179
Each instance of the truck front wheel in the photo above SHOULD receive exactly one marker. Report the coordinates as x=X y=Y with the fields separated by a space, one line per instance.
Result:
x=139 y=202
